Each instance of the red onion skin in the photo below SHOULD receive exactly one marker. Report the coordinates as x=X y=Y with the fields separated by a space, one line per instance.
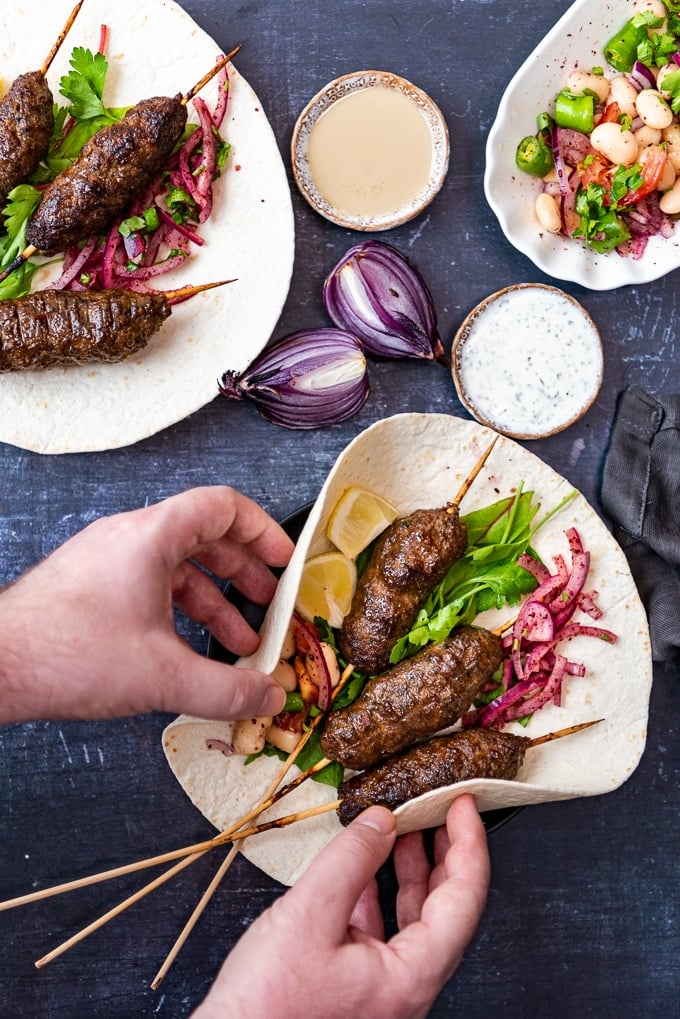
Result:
x=388 y=305
x=277 y=381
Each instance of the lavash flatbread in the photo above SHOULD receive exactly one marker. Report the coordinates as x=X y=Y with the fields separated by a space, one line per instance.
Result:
x=156 y=49
x=420 y=460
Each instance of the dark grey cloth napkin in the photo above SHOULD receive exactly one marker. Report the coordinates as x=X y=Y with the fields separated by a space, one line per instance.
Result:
x=641 y=493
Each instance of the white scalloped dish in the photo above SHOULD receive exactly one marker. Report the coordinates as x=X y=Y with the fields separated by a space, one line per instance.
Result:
x=576 y=40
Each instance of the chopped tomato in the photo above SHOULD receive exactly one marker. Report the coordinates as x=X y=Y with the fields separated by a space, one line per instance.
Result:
x=595 y=170
x=651 y=170
x=611 y=114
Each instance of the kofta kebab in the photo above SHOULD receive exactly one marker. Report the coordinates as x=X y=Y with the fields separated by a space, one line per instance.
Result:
x=63 y=327
x=390 y=730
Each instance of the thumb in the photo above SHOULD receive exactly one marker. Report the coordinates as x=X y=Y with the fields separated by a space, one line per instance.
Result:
x=343 y=869
x=209 y=689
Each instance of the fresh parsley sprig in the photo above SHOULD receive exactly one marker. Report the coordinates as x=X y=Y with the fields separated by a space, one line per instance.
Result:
x=83 y=86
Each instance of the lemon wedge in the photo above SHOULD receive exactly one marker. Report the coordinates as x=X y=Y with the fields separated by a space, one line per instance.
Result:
x=357 y=518
x=326 y=587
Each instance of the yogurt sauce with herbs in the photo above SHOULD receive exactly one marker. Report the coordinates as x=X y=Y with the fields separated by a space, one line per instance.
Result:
x=529 y=362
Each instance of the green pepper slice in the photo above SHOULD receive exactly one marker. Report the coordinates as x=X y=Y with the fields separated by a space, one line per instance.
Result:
x=622 y=49
x=575 y=111
x=534 y=156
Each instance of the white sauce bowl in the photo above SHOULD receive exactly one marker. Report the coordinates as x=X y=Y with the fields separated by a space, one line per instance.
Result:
x=527 y=361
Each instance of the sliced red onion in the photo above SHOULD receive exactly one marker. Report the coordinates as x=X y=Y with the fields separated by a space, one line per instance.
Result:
x=377 y=294
x=641 y=76
x=533 y=671
x=310 y=379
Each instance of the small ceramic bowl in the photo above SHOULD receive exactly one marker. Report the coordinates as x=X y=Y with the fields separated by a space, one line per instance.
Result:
x=527 y=361
x=416 y=200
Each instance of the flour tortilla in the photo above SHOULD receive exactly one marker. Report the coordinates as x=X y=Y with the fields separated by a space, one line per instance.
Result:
x=156 y=49
x=420 y=460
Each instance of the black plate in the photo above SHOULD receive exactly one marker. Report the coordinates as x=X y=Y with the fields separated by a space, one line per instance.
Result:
x=493 y=819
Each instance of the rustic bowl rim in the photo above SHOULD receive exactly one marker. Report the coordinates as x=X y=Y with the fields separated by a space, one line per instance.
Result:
x=462 y=335
x=337 y=89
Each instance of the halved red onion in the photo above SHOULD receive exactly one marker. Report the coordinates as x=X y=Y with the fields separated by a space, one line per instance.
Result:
x=376 y=293
x=309 y=379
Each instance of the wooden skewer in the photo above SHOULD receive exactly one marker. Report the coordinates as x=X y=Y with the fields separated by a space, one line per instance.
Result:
x=278 y=822
x=500 y=630
x=222 y=62
x=273 y=795
x=467 y=484
x=183 y=293
x=550 y=736
x=195 y=915
x=60 y=38
x=217 y=840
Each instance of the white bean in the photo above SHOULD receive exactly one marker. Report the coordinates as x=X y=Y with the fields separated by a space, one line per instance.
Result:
x=616 y=145
x=671 y=137
x=249 y=734
x=647 y=136
x=288 y=647
x=584 y=81
x=670 y=200
x=548 y=213
x=664 y=72
x=653 y=109
x=283 y=739
x=331 y=660
x=667 y=178
x=284 y=674
x=622 y=92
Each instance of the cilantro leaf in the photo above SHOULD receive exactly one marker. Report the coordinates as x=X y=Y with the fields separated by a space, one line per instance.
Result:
x=83 y=86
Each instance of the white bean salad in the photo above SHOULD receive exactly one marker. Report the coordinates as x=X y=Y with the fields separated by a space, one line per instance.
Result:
x=608 y=152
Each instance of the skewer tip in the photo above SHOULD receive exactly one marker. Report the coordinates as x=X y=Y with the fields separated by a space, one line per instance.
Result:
x=467 y=484
x=559 y=733
x=222 y=62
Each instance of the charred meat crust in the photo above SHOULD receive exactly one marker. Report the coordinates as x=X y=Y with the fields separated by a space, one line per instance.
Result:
x=60 y=327
x=116 y=164
x=26 y=125
x=413 y=700
x=469 y=753
x=410 y=558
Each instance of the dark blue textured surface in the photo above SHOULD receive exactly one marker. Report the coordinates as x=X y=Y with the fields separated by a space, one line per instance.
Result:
x=583 y=916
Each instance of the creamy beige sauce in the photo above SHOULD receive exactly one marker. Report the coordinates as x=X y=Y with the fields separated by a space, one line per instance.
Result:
x=370 y=153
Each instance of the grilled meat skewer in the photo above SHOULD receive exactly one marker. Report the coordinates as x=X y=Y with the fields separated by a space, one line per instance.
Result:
x=116 y=164
x=61 y=327
x=413 y=700
x=410 y=558
x=26 y=125
x=27 y=120
x=442 y=761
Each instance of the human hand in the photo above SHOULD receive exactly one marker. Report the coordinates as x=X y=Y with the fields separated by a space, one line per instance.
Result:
x=320 y=949
x=89 y=632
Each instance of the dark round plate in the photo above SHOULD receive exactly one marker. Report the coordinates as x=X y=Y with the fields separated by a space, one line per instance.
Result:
x=493 y=819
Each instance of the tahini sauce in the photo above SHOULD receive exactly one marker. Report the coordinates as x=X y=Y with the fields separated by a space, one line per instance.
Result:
x=531 y=362
x=370 y=153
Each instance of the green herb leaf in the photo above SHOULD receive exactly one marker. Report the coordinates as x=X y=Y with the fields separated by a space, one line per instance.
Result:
x=83 y=86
